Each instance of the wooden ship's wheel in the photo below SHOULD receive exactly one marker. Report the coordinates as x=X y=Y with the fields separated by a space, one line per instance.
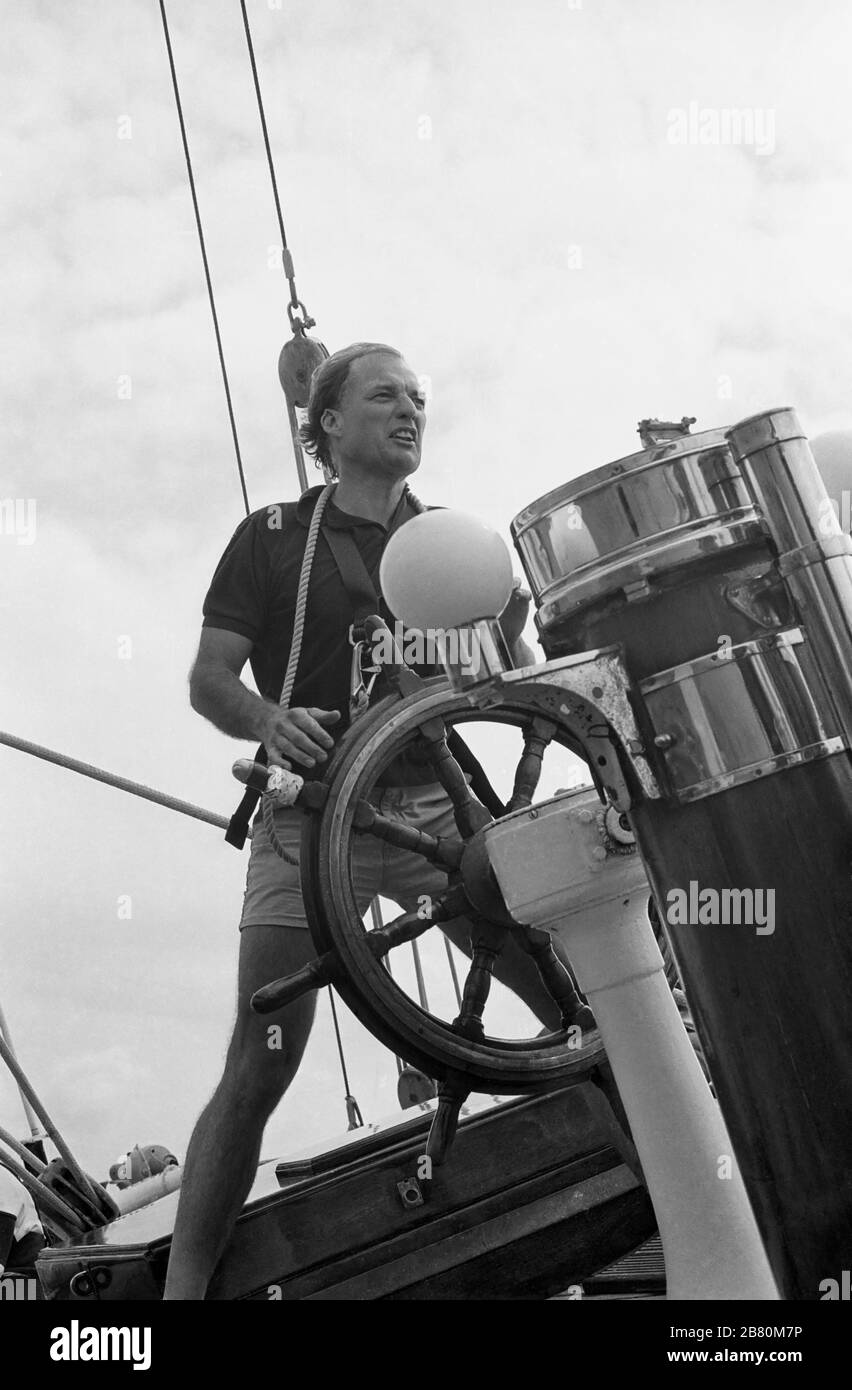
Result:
x=422 y=719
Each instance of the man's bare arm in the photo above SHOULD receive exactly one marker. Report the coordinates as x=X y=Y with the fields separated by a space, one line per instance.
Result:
x=217 y=693
x=215 y=688
x=513 y=620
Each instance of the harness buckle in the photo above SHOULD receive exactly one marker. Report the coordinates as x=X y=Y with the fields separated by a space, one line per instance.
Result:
x=360 y=689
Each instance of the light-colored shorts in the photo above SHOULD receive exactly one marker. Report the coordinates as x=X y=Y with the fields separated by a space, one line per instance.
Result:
x=273 y=894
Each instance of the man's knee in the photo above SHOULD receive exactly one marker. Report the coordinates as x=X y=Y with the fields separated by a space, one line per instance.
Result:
x=265 y=1050
x=265 y=1053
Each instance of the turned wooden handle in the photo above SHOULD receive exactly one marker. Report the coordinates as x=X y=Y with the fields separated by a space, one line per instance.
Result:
x=284 y=991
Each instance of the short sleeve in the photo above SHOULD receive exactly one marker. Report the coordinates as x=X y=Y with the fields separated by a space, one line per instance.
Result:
x=237 y=597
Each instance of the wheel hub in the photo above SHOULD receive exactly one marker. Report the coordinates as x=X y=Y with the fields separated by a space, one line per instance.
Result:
x=479 y=883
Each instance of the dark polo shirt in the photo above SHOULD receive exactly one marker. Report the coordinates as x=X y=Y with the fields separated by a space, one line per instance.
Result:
x=254 y=593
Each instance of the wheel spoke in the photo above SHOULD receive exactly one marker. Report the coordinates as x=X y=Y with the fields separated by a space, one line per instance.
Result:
x=470 y=814
x=409 y=925
x=486 y=944
x=537 y=735
x=444 y=852
x=556 y=979
x=451 y=1098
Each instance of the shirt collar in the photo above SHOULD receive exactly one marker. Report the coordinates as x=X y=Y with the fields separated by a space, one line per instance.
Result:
x=344 y=521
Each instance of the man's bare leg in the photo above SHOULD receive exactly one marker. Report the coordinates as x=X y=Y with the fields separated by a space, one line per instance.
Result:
x=223 y=1153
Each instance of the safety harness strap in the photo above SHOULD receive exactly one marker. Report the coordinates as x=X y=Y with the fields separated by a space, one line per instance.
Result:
x=238 y=825
x=357 y=580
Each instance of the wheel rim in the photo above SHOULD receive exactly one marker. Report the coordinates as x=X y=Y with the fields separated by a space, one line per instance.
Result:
x=502 y=1065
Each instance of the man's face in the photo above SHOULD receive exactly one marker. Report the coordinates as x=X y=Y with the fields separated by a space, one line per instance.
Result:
x=380 y=418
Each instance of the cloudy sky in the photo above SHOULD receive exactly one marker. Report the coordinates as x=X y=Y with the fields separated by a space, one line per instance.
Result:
x=537 y=202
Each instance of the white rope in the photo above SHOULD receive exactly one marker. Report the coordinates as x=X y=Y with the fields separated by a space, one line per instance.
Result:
x=267 y=808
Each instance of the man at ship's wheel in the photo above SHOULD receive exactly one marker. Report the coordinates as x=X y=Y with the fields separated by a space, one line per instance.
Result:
x=365 y=424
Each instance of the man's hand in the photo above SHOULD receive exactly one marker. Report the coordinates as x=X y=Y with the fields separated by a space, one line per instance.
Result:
x=513 y=619
x=296 y=734
x=217 y=693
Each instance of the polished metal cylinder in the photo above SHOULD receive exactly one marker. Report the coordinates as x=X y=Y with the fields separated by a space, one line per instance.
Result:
x=474 y=653
x=814 y=556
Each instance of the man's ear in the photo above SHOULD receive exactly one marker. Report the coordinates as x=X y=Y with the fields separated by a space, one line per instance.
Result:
x=330 y=421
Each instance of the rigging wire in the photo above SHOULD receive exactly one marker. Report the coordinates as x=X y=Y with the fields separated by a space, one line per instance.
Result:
x=123 y=784
x=418 y=973
x=263 y=126
x=352 y=1110
x=204 y=257
x=453 y=972
x=286 y=257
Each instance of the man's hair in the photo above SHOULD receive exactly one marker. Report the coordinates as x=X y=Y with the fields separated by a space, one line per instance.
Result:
x=327 y=386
